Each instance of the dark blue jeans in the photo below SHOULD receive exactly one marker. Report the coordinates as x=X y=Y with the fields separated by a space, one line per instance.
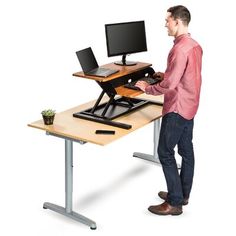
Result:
x=175 y=130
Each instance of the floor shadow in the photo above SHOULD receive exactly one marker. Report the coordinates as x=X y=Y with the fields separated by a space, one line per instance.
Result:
x=110 y=188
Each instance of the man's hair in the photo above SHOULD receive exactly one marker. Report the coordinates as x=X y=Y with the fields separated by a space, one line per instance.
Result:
x=180 y=12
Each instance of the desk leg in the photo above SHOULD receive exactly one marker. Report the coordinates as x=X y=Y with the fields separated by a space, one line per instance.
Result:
x=154 y=157
x=67 y=210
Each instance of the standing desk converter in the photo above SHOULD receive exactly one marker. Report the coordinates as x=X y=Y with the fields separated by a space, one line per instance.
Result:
x=121 y=100
x=80 y=130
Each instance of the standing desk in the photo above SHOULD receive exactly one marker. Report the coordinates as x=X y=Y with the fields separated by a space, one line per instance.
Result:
x=73 y=129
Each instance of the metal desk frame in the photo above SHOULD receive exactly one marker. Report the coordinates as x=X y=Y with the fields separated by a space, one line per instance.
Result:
x=68 y=209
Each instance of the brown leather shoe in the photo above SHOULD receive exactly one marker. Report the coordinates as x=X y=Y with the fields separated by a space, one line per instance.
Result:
x=166 y=209
x=163 y=195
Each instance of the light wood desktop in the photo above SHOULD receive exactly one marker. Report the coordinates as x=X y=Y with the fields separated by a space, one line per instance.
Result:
x=73 y=129
x=67 y=126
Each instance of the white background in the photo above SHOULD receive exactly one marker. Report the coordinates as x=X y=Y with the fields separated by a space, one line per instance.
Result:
x=37 y=55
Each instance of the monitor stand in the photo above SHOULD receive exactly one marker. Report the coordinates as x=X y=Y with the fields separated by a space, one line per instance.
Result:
x=124 y=62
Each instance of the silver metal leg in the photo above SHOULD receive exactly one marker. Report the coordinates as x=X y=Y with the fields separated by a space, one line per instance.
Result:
x=154 y=157
x=68 y=175
x=67 y=210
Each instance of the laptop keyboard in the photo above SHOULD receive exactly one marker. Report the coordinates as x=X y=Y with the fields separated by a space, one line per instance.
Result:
x=149 y=80
x=98 y=70
x=104 y=72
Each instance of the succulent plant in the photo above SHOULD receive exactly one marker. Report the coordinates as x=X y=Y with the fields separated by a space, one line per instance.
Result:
x=48 y=112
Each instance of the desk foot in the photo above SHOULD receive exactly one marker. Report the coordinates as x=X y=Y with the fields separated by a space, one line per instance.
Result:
x=151 y=158
x=146 y=157
x=73 y=215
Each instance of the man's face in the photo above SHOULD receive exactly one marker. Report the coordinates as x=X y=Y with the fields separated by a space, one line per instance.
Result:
x=171 y=25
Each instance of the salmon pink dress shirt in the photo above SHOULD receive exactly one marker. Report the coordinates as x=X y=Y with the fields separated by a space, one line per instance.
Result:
x=182 y=79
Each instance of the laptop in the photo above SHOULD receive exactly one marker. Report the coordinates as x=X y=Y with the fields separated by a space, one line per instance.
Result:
x=90 y=66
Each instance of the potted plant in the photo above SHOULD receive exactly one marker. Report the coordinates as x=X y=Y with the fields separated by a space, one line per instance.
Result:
x=48 y=116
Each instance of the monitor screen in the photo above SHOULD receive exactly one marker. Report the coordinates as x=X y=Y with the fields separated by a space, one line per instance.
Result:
x=125 y=38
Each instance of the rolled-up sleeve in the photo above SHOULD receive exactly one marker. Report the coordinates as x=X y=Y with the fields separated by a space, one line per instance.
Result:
x=176 y=65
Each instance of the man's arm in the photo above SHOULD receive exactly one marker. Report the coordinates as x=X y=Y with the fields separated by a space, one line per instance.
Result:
x=176 y=66
x=142 y=84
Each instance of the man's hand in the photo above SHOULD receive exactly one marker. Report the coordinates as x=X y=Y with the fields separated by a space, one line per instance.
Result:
x=142 y=85
x=158 y=75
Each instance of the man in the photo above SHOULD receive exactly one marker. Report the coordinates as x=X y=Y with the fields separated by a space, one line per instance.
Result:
x=180 y=85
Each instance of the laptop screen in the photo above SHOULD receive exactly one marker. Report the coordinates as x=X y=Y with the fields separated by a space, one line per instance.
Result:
x=87 y=59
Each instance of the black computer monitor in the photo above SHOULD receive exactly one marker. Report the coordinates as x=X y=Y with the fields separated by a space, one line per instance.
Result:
x=125 y=38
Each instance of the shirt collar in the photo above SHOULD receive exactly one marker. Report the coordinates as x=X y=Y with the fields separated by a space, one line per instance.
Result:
x=181 y=37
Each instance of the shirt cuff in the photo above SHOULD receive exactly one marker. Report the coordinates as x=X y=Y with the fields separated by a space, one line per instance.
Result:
x=148 y=89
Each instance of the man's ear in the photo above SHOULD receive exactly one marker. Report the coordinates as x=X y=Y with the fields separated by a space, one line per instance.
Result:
x=178 y=21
